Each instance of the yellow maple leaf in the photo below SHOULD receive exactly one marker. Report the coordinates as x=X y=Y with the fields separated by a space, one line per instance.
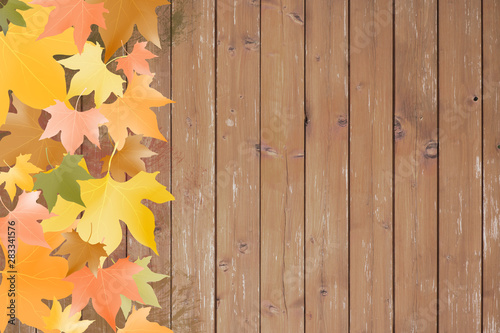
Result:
x=132 y=111
x=93 y=75
x=28 y=66
x=19 y=175
x=66 y=214
x=137 y=322
x=108 y=202
x=60 y=321
x=120 y=21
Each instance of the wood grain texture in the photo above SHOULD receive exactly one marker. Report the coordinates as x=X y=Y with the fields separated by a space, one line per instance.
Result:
x=282 y=166
x=371 y=157
x=327 y=169
x=415 y=166
x=162 y=163
x=491 y=166
x=460 y=166
x=193 y=176
x=238 y=164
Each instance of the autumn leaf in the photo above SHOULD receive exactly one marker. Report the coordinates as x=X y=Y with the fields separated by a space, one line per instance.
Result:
x=123 y=15
x=105 y=289
x=73 y=13
x=136 y=61
x=24 y=138
x=60 y=321
x=137 y=322
x=26 y=216
x=39 y=276
x=66 y=214
x=19 y=175
x=127 y=161
x=93 y=75
x=73 y=125
x=81 y=252
x=28 y=66
x=8 y=13
x=63 y=181
x=145 y=290
x=108 y=202
x=132 y=111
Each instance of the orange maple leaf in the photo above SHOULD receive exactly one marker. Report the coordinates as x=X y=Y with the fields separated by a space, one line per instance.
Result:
x=73 y=13
x=26 y=216
x=73 y=125
x=105 y=290
x=136 y=61
x=137 y=322
x=38 y=276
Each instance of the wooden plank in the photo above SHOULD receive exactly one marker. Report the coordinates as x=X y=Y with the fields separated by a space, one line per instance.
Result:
x=415 y=166
x=460 y=167
x=282 y=166
x=161 y=162
x=193 y=176
x=238 y=164
x=327 y=169
x=491 y=166
x=371 y=158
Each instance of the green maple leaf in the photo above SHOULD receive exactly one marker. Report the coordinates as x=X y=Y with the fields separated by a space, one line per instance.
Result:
x=145 y=290
x=8 y=13
x=63 y=181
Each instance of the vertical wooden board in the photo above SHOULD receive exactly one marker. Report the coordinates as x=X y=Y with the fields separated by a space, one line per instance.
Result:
x=460 y=171
x=491 y=166
x=238 y=164
x=327 y=169
x=371 y=158
x=162 y=163
x=193 y=176
x=415 y=166
x=282 y=166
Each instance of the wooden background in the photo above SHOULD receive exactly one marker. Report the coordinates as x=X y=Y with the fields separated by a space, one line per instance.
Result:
x=303 y=155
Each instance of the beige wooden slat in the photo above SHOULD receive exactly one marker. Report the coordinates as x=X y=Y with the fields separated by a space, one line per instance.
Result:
x=238 y=163
x=162 y=163
x=460 y=166
x=371 y=158
x=491 y=166
x=327 y=169
x=282 y=166
x=415 y=166
x=193 y=175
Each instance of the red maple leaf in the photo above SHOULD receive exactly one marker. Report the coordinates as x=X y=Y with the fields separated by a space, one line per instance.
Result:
x=73 y=13
x=136 y=61
x=105 y=290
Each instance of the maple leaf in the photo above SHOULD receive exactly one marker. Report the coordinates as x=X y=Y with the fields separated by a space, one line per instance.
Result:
x=60 y=321
x=105 y=289
x=81 y=252
x=8 y=13
x=24 y=138
x=145 y=290
x=26 y=216
x=133 y=111
x=28 y=66
x=19 y=175
x=73 y=125
x=92 y=75
x=39 y=276
x=73 y=13
x=63 y=181
x=66 y=214
x=127 y=161
x=136 y=61
x=109 y=201
x=137 y=322
x=123 y=15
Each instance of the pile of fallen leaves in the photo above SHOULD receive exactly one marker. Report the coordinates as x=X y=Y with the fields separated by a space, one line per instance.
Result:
x=61 y=222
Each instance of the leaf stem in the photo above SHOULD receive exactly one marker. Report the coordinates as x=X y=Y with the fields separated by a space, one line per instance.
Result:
x=78 y=100
x=47 y=154
x=114 y=59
